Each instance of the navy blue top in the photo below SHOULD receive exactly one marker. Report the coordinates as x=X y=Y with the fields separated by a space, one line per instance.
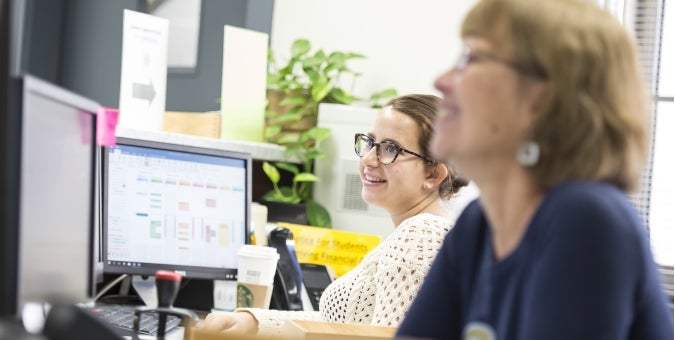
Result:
x=583 y=270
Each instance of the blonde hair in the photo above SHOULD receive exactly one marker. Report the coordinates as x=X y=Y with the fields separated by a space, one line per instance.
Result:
x=593 y=122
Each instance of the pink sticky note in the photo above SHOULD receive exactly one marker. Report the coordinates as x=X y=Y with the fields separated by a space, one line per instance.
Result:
x=106 y=121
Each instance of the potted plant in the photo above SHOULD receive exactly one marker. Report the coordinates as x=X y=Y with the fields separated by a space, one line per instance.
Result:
x=294 y=92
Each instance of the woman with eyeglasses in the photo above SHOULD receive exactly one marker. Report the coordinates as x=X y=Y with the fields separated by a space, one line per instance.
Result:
x=546 y=110
x=398 y=175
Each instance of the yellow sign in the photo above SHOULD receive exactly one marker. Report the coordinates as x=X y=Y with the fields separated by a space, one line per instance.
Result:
x=342 y=250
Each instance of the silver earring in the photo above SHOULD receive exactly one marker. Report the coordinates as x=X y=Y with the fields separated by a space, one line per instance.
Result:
x=528 y=154
x=428 y=185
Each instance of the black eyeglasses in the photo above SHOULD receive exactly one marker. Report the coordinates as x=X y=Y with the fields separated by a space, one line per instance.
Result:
x=386 y=154
x=467 y=57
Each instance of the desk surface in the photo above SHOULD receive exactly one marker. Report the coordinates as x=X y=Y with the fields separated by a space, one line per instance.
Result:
x=311 y=330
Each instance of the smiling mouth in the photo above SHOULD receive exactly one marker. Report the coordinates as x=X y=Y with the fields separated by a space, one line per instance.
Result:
x=373 y=179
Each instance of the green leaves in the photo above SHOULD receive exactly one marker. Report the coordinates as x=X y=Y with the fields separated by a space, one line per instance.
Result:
x=272 y=131
x=315 y=61
x=318 y=73
x=300 y=47
x=271 y=172
x=377 y=99
x=316 y=133
x=292 y=168
x=296 y=193
x=339 y=58
x=297 y=99
x=317 y=215
x=305 y=177
x=320 y=89
x=287 y=117
x=307 y=79
x=386 y=93
x=340 y=96
x=284 y=194
x=314 y=154
x=273 y=80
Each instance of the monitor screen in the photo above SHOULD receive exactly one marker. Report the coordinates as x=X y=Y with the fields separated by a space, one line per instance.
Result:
x=174 y=207
x=55 y=194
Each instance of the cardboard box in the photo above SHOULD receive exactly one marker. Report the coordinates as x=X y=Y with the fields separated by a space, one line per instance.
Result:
x=203 y=334
x=317 y=330
x=205 y=124
x=309 y=330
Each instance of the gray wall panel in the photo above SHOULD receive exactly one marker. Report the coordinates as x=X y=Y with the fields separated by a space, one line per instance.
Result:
x=80 y=46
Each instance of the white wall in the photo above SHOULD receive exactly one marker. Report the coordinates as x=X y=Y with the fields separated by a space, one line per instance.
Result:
x=408 y=43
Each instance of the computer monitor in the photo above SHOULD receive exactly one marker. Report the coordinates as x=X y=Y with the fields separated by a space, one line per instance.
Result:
x=6 y=257
x=174 y=207
x=54 y=194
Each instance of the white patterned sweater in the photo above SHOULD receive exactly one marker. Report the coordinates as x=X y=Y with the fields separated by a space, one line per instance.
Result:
x=381 y=287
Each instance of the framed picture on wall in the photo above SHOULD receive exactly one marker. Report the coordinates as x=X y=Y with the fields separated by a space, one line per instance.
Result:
x=184 y=23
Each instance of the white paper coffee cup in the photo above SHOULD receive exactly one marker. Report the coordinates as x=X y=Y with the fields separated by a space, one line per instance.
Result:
x=257 y=264
x=255 y=275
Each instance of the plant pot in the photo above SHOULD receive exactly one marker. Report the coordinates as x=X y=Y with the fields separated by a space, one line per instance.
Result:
x=275 y=110
x=285 y=212
x=275 y=97
x=304 y=124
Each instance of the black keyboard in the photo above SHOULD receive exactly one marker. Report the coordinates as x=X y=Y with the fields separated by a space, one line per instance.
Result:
x=122 y=316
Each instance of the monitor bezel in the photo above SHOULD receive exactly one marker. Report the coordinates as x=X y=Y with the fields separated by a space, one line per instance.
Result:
x=186 y=271
x=27 y=85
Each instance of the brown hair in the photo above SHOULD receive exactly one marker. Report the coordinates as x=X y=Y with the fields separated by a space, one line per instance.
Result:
x=593 y=122
x=423 y=109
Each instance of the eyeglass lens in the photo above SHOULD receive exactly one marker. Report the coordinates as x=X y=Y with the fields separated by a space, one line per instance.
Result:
x=463 y=59
x=386 y=151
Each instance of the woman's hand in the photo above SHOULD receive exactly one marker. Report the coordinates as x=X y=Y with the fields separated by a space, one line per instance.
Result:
x=232 y=322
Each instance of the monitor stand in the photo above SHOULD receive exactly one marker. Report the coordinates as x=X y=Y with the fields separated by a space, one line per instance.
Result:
x=192 y=294
x=145 y=287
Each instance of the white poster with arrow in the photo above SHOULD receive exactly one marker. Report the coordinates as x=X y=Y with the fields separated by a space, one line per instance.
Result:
x=144 y=67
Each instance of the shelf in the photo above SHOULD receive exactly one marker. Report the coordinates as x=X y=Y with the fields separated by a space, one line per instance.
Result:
x=258 y=150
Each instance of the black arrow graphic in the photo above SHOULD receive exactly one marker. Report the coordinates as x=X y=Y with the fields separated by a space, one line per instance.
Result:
x=143 y=91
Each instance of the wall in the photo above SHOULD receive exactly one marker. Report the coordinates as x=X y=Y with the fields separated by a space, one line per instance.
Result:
x=77 y=44
x=408 y=43
x=91 y=51
x=43 y=30
x=199 y=91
